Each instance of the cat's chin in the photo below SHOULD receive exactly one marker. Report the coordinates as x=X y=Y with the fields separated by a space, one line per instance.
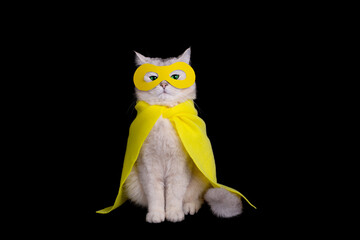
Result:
x=170 y=97
x=164 y=100
x=165 y=96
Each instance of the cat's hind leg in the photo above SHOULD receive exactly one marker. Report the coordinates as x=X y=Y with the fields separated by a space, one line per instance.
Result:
x=193 y=198
x=133 y=188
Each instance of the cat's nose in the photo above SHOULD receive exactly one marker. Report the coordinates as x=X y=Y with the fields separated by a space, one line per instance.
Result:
x=163 y=84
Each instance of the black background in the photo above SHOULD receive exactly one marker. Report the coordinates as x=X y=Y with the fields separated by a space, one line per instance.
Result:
x=248 y=75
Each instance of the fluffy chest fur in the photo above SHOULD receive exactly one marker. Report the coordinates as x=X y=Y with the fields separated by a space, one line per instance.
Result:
x=163 y=148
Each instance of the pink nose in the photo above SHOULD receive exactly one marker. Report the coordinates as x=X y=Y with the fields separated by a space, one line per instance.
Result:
x=163 y=84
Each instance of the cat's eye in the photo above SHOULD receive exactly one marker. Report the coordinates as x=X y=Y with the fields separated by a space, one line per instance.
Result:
x=150 y=76
x=178 y=75
x=175 y=76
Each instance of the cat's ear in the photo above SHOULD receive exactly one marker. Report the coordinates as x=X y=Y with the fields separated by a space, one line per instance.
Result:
x=140 y=59
x=185 y=57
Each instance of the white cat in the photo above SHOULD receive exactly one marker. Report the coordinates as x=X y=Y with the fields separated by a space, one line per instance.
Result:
x=164 y=178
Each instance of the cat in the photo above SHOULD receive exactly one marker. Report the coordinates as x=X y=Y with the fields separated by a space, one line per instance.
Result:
x=164 y=178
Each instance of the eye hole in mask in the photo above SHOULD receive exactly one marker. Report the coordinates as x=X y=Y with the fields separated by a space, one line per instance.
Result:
x=150 y=76
x=178 y=75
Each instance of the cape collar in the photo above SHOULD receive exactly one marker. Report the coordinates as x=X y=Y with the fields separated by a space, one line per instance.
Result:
x=186 y=107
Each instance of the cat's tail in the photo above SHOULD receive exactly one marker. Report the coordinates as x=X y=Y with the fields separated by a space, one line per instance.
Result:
x=223 y=203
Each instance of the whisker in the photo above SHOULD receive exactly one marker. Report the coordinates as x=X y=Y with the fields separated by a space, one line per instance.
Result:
x=198 y=108
x=132 y=106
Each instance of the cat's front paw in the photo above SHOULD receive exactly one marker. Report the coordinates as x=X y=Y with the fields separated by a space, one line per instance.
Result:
x=192 y=207
x=175 y=215
x=155 y=216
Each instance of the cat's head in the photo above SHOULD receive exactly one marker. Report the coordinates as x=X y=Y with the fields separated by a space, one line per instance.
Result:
x=165 y=94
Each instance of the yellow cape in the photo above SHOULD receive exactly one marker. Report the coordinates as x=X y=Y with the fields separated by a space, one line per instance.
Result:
x=191 y=130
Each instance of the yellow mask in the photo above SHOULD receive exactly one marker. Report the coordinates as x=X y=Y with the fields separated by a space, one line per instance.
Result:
x=179 y=75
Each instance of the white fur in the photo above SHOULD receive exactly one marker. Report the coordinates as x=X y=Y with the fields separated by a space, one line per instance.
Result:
x=223 y=203
x=164 y=178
